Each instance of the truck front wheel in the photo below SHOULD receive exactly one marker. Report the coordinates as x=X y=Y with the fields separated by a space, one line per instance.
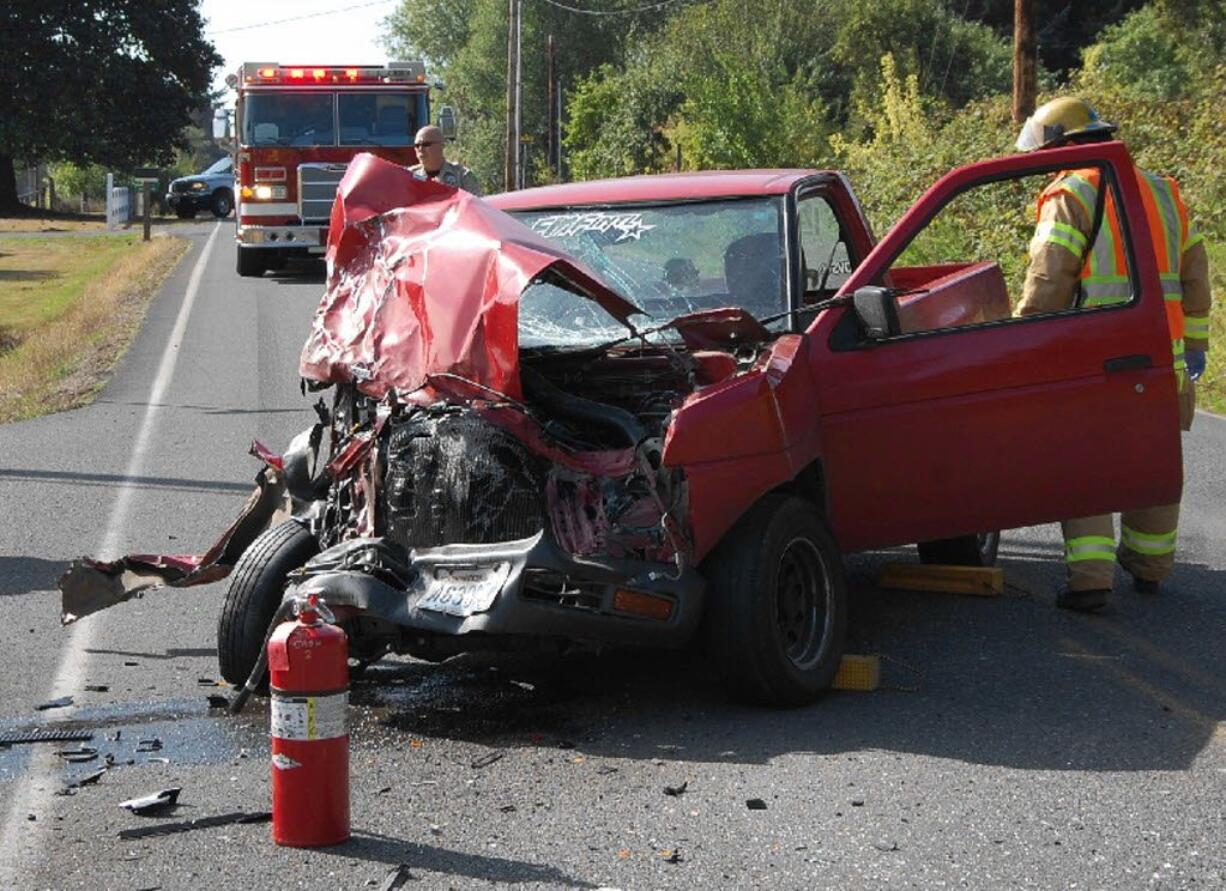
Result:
x=776 y=614
x=250 y=262
x=256 y=585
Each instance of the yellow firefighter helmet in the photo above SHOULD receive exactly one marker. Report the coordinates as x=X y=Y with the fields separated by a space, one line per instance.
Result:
x=1061 y=121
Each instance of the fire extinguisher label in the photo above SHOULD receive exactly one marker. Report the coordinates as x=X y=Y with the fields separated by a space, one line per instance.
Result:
x=309 y=717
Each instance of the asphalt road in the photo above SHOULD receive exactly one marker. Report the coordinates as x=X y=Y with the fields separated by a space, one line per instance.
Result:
x=1017 y=747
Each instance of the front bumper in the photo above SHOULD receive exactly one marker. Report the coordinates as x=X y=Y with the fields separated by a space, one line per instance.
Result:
x=312 y=239
x=197 y=200
x=542 y=591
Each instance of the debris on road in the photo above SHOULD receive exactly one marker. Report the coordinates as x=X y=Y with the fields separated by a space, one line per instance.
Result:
x=79 y=755
x=487 y=759
x=209 y=682
x=62 y=702
x=238 y=817
x=676 y=791
x=396 y=878
x=152 y=744
x=13 y=737
x=672 y=855
x=755 y=804
x=149 y=805
x=97 y=688
x=218 y=700
x=886 y=845
x=89 y=779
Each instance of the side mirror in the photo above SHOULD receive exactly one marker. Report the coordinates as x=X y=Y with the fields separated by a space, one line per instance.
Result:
x=448 y=122
x=877 y=311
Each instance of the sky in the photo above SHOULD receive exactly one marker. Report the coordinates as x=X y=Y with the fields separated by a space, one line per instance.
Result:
x=294 y=31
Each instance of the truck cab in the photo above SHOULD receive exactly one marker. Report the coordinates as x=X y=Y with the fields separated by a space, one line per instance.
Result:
x=298 y=126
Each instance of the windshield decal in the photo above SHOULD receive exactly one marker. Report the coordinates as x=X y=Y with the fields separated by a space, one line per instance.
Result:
x=627 y=225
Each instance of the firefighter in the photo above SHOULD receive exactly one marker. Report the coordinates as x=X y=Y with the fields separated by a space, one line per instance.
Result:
x=433 y=165
x=1065 y=270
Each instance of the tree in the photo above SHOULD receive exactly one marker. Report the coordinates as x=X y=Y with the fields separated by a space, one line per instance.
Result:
x=465 y=42
x=107 y=82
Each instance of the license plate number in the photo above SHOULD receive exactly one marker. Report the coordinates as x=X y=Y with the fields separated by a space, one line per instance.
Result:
x=464 y=590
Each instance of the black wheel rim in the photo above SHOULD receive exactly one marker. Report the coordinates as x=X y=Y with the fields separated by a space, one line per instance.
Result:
x=802 y=603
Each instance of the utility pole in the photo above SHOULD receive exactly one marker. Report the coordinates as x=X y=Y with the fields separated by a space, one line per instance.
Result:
x=1025 y=59
x=511 y=173
x=552 y=126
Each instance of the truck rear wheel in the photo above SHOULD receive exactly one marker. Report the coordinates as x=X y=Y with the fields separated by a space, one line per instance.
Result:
x=250 y=262
x=969 y=550
x=256 y=585
x=776 y=613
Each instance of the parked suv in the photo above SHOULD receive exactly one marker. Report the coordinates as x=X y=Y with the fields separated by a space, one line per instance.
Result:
x=212 y=189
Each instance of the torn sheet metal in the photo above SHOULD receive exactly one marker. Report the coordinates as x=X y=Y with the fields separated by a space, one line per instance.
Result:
x=424 y=279
x=89 y=585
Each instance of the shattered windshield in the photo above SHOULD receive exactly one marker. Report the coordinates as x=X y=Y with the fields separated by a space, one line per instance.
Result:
x=669 y=259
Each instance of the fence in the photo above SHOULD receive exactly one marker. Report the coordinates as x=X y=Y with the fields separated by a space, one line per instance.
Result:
x=118 y=203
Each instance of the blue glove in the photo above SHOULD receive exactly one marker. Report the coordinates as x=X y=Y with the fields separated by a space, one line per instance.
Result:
x=1196 y=363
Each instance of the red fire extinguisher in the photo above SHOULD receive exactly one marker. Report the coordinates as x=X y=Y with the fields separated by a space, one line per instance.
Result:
x=308 y=664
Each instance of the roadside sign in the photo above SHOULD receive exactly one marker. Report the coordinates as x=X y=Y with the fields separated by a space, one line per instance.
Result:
x=147 y=174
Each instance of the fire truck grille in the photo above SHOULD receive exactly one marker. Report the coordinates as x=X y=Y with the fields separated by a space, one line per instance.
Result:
x=316 y=189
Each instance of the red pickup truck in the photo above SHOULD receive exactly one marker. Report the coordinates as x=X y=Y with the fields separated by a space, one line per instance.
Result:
x=640 y=410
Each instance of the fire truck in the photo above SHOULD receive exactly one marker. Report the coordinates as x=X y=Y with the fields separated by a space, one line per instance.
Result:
x=297 y=127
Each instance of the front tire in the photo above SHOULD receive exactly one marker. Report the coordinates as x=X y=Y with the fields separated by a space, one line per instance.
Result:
x=968 y=550
x=776 y=614
x=221 y=203
x=250 y=262
x=256 y=585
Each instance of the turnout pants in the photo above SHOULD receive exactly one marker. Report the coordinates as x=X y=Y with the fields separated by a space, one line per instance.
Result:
x=1146 y=548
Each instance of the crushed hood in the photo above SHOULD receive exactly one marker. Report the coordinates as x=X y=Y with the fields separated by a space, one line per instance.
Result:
x=423 y=280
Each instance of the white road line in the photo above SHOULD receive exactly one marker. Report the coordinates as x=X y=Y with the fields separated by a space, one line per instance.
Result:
x=19 y=846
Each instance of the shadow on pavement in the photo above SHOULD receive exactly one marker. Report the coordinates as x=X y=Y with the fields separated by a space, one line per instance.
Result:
x=393 y=851
x=21 y=575
x=172 y=484
x=1008 y=681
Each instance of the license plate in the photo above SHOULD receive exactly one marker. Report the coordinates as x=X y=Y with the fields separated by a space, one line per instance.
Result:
x=464 y=590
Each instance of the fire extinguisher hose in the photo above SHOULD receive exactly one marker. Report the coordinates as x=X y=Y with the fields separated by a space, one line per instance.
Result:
x=284 y=611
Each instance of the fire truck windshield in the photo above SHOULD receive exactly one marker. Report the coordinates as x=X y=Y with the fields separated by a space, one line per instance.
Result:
x=318 y=118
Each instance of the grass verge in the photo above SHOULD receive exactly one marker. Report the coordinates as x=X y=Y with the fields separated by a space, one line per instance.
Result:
x=1211 y=388
x=69 y=307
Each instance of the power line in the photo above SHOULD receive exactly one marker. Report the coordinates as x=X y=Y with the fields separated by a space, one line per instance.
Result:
x=298 y=18
x=660 y=4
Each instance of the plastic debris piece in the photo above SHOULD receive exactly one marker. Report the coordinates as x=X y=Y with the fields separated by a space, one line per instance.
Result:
x=88 y=779
x=96 y=688
x=78 y=755
x=62 y=702
x=508 y=808
x=208 y=682
x=396 y=878
x=676 y=791
x=199 y=823
x=36 y=736
x=755 y=804
x=487 y=759
x=157 y=803
x=152 y=744
x=672 y=855
x=886 y=845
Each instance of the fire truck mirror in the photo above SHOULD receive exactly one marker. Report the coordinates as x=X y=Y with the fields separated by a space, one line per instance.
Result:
x=448 y=122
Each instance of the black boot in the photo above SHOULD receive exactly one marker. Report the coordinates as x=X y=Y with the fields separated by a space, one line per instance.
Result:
x=1083 y=601
x=1152 y=587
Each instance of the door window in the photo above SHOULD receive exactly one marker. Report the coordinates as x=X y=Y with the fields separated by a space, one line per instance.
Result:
x=1014 y=248
x=825 y=263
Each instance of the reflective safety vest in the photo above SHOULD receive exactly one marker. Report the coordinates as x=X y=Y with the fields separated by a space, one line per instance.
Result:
x=1104 y=277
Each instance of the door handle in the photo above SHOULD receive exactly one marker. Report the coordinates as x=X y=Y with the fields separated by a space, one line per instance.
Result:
x=1128 y=363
